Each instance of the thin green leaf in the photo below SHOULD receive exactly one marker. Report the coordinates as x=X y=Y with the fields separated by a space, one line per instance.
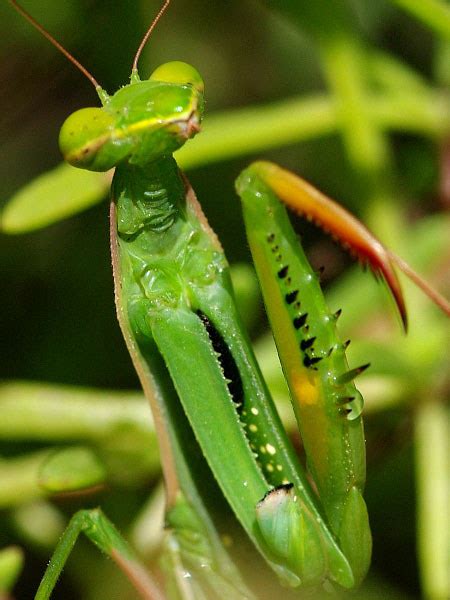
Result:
x=433 y=13
x=53 y=196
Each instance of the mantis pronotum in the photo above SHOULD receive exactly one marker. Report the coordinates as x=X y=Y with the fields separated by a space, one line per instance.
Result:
x=176 y=309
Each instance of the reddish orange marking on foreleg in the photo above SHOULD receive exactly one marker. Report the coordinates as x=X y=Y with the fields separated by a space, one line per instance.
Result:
x=305 y=200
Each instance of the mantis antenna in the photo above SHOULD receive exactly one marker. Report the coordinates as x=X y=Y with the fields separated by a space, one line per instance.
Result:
x=147 y=35
x=55 y=43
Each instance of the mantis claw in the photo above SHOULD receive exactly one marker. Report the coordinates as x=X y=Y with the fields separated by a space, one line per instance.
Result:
x=305 y=200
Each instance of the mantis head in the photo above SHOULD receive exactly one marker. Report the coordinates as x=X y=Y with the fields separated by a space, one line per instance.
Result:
x=141 y=122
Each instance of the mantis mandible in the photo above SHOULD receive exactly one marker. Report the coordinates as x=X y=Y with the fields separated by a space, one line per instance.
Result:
x=177 y=313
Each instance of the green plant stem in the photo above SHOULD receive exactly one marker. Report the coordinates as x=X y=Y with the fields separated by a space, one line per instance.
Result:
x=345 y=65
x=401 y=112
x=240 y=132
x=393 y=75
x=343 y=60
x=434 y=13
x=36 y=411
x=243 y=131
x=432 y=475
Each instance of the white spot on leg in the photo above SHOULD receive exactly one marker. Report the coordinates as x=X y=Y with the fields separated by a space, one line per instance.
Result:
x=271 y=449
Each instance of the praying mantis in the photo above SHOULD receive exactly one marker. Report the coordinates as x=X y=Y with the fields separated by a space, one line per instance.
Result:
x=176 y=310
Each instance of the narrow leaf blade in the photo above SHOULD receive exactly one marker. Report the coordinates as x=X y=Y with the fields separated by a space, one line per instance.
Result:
x=53 y=196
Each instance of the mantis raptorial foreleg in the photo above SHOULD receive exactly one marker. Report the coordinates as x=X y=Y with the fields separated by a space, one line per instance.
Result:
x=97 y=527
x=325 y=401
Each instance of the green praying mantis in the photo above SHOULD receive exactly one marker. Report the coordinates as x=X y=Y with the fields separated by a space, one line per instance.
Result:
x=177 y=313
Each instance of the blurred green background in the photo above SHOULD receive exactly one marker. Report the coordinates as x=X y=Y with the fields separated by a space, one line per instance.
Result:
x=58 y=320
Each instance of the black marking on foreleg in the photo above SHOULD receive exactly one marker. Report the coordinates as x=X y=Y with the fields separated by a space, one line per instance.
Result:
x=305 y=344
x=283 y=272
x=276 y=491
x=310 y=361
x=291 y=297
x=227 y=362
x=300 y=321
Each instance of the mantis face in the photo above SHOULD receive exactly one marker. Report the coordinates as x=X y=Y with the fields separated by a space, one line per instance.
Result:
x=141 y=122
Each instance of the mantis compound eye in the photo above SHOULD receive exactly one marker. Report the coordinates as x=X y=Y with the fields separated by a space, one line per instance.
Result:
x=179 y=72
x=83 y=135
